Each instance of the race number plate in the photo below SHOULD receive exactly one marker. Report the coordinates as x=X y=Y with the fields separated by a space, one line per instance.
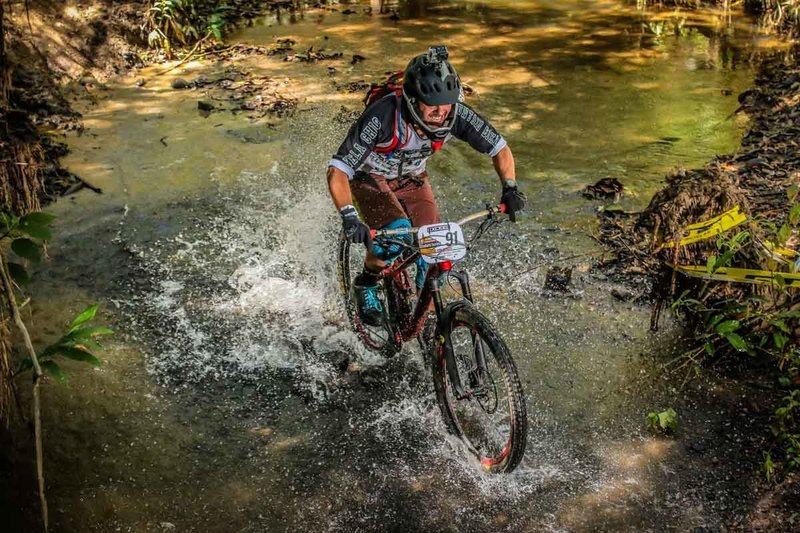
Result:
x=441 y=242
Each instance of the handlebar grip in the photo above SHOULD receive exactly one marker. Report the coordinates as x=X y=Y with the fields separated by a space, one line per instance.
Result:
x=502 y=208
x=373 y=233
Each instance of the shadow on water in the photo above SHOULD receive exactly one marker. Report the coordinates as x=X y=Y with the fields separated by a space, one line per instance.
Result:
x=227 y=403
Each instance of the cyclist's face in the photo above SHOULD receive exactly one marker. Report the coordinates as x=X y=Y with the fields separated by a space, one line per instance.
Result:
x=435 y=115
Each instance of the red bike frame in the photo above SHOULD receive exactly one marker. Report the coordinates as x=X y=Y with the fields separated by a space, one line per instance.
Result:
x=411 y=323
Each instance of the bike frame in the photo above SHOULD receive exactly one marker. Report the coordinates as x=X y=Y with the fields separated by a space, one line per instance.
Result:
x=411 y=324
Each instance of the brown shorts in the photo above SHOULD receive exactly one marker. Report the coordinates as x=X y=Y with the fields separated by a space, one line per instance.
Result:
x=381 y=201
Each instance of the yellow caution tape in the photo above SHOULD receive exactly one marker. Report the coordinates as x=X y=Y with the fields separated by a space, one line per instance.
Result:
x=780 y=251
x=741 y=275
x=700 y=231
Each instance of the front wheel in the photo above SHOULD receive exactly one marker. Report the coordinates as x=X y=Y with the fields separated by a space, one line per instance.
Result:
x=478 y=389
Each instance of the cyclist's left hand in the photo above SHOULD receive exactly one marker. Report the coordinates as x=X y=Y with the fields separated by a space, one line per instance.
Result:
x=514 y=200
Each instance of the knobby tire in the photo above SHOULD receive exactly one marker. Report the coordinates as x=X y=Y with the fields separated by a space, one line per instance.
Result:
x=460 y=415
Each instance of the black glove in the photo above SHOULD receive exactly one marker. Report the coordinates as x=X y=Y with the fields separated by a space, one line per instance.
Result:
x=355 y=230
x=513 y=198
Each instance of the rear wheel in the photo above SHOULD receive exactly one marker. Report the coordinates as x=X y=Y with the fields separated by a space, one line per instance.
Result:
x=488 y=413
x=382 y=338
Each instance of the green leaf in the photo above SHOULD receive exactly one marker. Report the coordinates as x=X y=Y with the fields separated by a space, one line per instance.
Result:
x=77 y=354
x=665 y=421
x=783 y=234
x=768 y=466
x=780 y=324
x=709 y=348
x=27 y=249
x=35 y=225
x=51 y=368
x=779 y=339
x=727 y=327
x=85 y=316
x=711 y=262
x=794 y=215
x=88 y=332
x=737 y=342
x=668 y=420
x=18 y=273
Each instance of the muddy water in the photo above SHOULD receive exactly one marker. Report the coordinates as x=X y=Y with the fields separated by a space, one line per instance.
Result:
x=224 y=405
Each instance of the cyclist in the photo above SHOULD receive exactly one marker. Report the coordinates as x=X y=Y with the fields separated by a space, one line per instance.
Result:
x=381 y=164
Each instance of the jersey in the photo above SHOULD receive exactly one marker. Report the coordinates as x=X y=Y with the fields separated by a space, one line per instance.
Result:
x=383 y=142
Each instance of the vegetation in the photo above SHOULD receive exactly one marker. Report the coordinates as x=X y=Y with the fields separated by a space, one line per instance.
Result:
x=762 y=323
x=780 y=15
x=24 y=238
x=776 y=15
x=663 y=422
x=170 y=23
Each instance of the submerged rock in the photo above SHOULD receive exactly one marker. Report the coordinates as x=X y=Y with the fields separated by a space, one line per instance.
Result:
x=180 y=83
x=558 y=279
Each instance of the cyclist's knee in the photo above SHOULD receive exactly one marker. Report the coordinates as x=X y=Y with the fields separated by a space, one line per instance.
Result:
x=387 y=250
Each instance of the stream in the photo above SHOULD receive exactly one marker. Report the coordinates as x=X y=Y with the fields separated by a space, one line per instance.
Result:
x=235 y=398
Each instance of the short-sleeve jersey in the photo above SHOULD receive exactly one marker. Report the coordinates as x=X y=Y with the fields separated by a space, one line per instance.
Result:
x=383 y=141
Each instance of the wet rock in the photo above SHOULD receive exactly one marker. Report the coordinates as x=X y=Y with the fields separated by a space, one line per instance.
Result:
x=132 y=60
x=331 y=71
x=558 y=279
x=200 y=82
x=205 y=106
x=357 y=59
x=622 y=295
x=349 y=12
x=352 y=86
x=311 y=56
x=606 y=188
x=141 y=82
x=180 y=83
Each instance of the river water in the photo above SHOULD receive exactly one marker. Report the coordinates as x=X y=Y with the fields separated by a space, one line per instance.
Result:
x=225 y=403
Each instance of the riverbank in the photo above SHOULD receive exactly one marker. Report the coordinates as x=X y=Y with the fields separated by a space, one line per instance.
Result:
x=749 y=330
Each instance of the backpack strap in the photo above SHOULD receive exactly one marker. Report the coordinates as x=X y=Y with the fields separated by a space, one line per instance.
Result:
x=397 y=132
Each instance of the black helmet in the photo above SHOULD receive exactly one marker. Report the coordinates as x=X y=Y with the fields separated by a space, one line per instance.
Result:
x=432 y=80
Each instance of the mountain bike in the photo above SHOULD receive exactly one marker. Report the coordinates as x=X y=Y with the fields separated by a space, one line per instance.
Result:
x=474 y=375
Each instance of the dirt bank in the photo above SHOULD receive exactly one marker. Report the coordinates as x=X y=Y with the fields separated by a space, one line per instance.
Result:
x=57 y=53
x=762 y=178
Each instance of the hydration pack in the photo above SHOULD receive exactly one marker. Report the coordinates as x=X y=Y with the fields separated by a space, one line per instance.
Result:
x=392 y=84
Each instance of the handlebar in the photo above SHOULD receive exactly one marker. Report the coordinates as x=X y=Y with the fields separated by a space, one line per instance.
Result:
x=489 y=212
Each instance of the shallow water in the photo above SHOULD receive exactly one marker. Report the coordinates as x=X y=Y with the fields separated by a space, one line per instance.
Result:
x=223 y=404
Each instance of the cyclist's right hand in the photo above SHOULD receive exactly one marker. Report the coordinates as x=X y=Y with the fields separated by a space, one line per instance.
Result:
x=354 y=229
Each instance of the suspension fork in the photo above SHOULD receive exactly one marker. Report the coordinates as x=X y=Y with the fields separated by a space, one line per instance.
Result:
x=480 y=356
